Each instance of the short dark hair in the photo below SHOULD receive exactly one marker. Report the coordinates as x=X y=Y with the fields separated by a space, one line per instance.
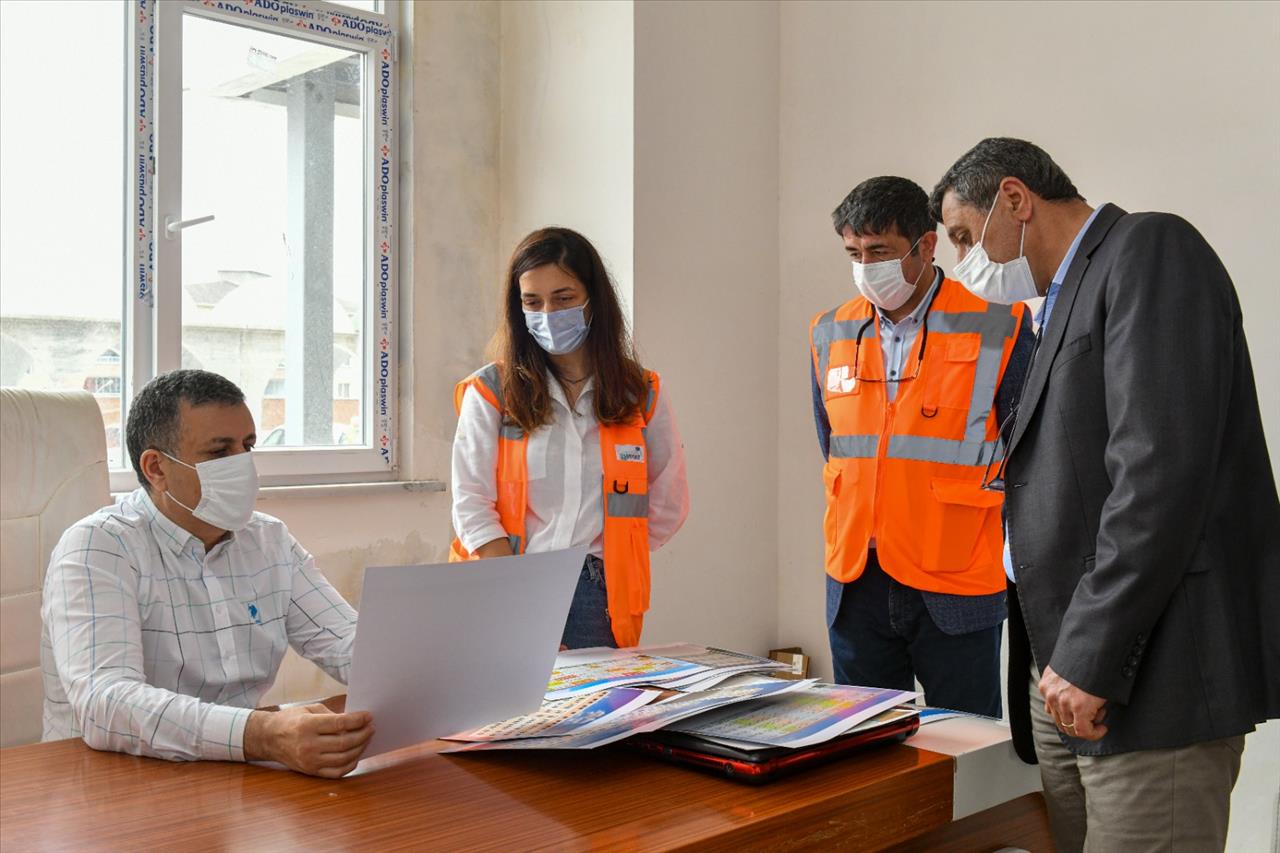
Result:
x=878 y=204
x=976 y=176
x=153 y=414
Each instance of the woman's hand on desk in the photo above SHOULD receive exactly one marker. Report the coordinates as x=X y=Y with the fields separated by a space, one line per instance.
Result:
x=310 y=739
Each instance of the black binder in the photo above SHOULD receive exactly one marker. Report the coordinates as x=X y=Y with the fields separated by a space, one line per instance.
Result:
x=766 y=763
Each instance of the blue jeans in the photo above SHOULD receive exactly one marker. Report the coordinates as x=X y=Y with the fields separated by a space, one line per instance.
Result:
x=883 y=636
x=588 y=624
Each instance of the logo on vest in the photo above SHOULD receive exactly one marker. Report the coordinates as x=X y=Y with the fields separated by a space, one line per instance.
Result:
x=839 y=381
x=629 y=452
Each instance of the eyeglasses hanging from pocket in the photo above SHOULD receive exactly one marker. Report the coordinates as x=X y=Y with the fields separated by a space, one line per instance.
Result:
x=924 y=342
x=1005 y=433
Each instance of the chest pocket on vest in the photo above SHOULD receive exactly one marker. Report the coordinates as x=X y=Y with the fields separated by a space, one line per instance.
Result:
x=950 y=381
x=840 y=381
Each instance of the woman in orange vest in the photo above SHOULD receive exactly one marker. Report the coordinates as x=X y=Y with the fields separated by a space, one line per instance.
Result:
x=565 y=440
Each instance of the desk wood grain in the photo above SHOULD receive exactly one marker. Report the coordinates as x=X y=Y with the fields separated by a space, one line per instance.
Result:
x=65 y=796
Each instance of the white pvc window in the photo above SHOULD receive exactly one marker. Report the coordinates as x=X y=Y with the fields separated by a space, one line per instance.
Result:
x=214 y=187
x=264 y=248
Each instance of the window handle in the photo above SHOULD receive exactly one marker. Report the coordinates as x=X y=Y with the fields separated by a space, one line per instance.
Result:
x=173 y=226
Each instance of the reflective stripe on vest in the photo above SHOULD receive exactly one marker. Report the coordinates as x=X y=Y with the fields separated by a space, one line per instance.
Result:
x=994 y=326
x=627 y=506
x=491 y=376
x=918 y=447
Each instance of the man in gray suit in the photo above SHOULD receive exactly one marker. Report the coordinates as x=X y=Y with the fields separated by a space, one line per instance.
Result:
x=1143 y=522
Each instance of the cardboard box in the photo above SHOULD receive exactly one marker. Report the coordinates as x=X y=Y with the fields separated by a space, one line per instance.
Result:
x=793 y=657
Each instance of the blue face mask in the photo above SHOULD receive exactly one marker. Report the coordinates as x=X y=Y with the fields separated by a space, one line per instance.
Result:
x=559 y=332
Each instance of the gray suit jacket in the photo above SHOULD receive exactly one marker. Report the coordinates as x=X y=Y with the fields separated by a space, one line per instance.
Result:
x=1143 y=519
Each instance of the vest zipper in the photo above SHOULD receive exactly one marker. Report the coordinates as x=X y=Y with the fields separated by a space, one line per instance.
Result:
x=882 y=448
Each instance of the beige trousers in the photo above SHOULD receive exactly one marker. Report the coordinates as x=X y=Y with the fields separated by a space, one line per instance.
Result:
x=1134 y=802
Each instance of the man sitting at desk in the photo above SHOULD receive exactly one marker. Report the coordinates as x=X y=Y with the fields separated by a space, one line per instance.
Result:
x=167 y=614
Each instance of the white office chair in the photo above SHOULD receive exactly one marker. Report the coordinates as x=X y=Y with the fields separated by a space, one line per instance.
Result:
x=53 y=472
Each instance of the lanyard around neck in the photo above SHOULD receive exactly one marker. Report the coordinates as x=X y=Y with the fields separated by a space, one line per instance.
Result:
x=924 y=335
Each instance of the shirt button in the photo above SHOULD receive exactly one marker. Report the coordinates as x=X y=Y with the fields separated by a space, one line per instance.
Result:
x=896 y=339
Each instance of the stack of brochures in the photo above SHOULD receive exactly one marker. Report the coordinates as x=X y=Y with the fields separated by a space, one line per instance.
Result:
x=599 y=696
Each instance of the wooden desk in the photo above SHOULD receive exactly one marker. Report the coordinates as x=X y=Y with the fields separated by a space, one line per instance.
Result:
x=65 y=796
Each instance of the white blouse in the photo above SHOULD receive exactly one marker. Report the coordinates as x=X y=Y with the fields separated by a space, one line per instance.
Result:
x=566 y=492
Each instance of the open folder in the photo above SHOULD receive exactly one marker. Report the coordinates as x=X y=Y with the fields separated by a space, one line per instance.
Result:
x=447 y=647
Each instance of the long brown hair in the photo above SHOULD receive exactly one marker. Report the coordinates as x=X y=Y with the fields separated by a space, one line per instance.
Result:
x=620 y=384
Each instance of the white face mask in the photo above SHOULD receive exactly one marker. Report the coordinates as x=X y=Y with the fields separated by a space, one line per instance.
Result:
x=1003 y=284
x=559 y=332
x=228 y=490
x=883 y=283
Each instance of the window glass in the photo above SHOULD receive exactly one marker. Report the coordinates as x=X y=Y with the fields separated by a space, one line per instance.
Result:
x=273 y=288
x=62 y=200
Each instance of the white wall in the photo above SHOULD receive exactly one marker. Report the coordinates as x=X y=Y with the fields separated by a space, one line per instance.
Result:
x=1153 y=106
x=568 y=125
x=706 y=302
x=453 y=204
x=634 y=124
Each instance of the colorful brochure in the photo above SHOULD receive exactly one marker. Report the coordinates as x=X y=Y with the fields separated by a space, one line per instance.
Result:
x=616 y=672
x=884 y=718
x=645 y=719
x=670 y=666
x=564 y=716
x=815 y=714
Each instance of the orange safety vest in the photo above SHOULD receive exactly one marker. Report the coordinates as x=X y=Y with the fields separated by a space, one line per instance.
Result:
x=625 y=462
x=909 y=472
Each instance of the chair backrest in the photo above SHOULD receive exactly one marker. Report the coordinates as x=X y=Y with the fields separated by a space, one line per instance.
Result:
x=53 y=472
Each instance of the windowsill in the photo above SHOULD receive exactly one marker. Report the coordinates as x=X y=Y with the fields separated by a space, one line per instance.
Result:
x=333 y=490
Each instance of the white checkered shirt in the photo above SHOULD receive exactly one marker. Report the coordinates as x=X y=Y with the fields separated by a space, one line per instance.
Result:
x=153 y=647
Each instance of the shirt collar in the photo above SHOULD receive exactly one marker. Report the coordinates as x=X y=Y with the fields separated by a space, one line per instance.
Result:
x=168 y=533
x=1055 y=284
x=557 y=392
x=918 y=311
x=1061 y=275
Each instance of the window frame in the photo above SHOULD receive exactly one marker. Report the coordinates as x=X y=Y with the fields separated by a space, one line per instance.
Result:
x=153 y=318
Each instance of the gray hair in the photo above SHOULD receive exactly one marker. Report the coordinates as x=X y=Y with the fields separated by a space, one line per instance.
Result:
x=975 y=178
x=878 y=204
x=153 y=414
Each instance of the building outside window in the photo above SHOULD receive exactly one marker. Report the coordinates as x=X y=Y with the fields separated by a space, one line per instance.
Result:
x=232 y=167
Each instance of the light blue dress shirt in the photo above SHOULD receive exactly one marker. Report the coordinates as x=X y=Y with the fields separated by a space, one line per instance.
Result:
x=1042 y=318
x=896 y=339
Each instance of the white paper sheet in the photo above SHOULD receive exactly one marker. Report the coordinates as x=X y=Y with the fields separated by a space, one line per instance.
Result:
x=454 y=646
